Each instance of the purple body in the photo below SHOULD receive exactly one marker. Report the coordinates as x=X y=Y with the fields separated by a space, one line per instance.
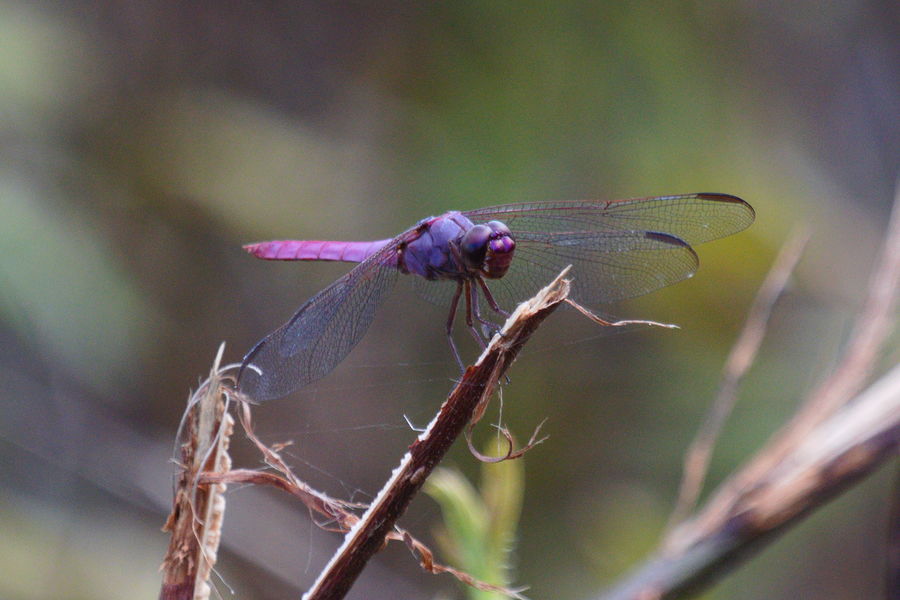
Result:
x=435 y=250
x=315 y=250
x=430 y=254
x=617 y=249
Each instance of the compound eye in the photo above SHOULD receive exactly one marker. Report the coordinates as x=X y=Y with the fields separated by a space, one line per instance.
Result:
x=499 y=228
x=474 y=243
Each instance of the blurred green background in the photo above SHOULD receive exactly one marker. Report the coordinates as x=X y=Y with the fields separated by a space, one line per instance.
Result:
x=141 y=143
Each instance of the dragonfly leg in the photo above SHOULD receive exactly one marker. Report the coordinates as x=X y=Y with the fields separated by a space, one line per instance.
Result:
x=472 y=307
x=454 y=304
x=489 y=325
x=490 y=299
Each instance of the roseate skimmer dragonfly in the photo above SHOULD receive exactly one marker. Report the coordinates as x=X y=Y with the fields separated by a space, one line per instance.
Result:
x=503 y=254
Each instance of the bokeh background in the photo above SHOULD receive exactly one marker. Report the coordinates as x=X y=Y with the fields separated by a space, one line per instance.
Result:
x=141 y=143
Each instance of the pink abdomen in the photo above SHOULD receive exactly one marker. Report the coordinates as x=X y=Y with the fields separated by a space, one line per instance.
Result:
x=315 y=250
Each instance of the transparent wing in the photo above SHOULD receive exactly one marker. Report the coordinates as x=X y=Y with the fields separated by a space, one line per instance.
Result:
x=321 y=333
x=694 y=218
x=438 y=292
x=618 y=249
x=606 y=266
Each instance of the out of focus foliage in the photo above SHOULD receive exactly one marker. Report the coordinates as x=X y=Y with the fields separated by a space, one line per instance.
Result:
x=141 y=143
x=479 y=529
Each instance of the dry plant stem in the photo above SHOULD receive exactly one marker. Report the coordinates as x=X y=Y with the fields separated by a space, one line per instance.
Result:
x=840 y=451
x=333 y=510
x=604 y=323
x=874 y=325
x=314 y=500
x=478 y=383
x=742 y=356
x=837 y=436
x=198 y=509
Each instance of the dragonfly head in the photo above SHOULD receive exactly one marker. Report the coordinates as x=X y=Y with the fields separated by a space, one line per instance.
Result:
x=488 y=248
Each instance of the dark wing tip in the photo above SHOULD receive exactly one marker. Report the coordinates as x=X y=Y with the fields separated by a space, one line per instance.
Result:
x=666 y=238
x=728 y=199
x=676 y=242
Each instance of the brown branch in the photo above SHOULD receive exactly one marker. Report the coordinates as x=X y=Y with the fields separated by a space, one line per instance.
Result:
x=477 y=384
x=426 y=560
x=314 y=500
x=874 y=325
x=743 y=354
x=840 y=451
x=198 y=508
x=836 y=437
x=336 y=511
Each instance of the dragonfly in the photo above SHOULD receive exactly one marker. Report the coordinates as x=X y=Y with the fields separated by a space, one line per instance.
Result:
x=500 y=255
